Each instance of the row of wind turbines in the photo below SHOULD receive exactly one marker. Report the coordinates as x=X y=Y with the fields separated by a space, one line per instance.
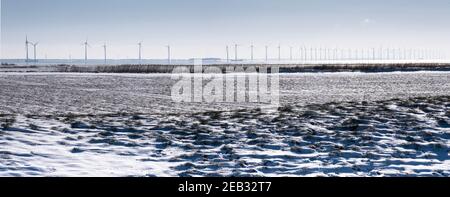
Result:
x=139 y=44
x=86 y=55
x=319 y=54
x=303 y=53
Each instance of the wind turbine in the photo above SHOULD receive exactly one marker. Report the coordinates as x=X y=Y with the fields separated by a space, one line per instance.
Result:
x=252 y=47
x=236 y=52
x=349 y=54
x=228 y=53
x=332 y=54
x=104 y=50
x=267 y=51
x=34 y=48
x=335 y=53
x=307 y=53
x=279 y=52
x=301 y=53
x=374 y=57
x=140 y=51
x=168 y=54
x=315 y=54
x=86 y=45
x=320 y=53
x=388 y=53
x=290 y=53
x=26 y=48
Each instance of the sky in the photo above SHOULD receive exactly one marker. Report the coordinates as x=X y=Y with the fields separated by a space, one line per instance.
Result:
x=202 y=28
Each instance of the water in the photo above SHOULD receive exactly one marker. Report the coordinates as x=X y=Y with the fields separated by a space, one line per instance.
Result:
x=207 y=61
x=102 y=62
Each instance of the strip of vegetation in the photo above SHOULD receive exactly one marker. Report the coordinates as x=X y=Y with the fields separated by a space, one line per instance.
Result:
x=294 y=68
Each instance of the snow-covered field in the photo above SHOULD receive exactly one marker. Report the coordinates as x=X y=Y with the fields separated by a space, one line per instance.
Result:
x=336 y=124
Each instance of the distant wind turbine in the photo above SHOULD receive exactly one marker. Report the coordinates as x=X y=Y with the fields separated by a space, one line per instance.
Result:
x=168 y=54
x=305 y=53
x=315 y=54
x=34 y=49
x=104 y=50
x=388 y=54
x=335 y=53
x=320 y=52
x=26 y=49
x=279 y=52
x=140 y=51
x=86 y=45
x=290 y=53
x=374 y=54
x=252 y=48
x=236 y=52
x=267 y=55
x=228 y=53
x=301 y=53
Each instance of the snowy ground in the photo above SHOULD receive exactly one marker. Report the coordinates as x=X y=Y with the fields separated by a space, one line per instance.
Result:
x=343 y=124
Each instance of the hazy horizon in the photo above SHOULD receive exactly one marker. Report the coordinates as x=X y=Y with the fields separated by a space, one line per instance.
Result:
x=202 y=28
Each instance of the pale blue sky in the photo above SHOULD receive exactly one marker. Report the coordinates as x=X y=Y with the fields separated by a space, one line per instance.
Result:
x=202 y=28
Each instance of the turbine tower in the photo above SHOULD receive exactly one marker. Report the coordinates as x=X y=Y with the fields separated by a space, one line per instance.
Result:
x=252 y=47
x=34 y=49
x=104 y=50
x=374 y=57
x=301 y=53
x=307 y=53
x=279 y=52
x=228 y=53
x=236 y=52
x=168 y=55
x=140 y=51
x=86 y=44
x=27 y=58
x=267 y=49
x=290 y=53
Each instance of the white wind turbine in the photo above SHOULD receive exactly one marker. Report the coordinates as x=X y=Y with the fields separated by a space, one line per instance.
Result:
x=290 y=53
x=104 y=51
x=252 y=48
x=140 y=51
x=374 y=56
x=302 y=53
x=228 y=53
x=279 y=52
x=86 y=45
x=34 y=49
x=26 y=49
x=169 y=60
x=267 y=55
x=236 y=52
